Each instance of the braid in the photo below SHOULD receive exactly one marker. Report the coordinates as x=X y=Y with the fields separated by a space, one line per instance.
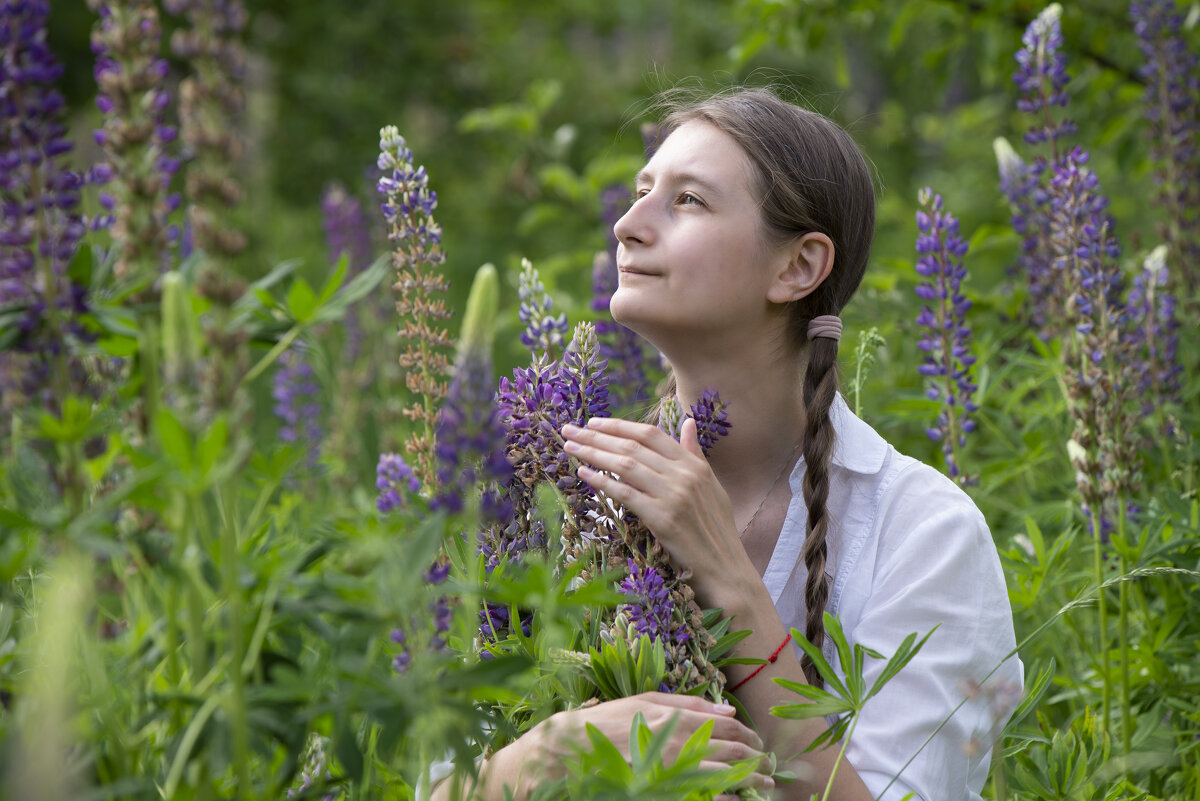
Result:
x=820 y=388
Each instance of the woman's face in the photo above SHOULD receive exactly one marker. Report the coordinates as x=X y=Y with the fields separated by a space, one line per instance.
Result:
x=692 y=256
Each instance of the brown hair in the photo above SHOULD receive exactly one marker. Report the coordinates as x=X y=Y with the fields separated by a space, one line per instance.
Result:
x=810 y=176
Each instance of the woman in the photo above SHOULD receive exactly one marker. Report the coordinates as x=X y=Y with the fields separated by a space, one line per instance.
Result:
x=749 y=233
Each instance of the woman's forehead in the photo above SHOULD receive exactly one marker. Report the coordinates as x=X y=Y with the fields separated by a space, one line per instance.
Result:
x=699 y=152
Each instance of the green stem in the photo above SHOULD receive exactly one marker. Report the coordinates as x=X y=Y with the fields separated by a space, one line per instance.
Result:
x=237 y=647
x=1102 y=610
x=840 y=757
x=1123 y=596
x=283 y=344
x=196 y=642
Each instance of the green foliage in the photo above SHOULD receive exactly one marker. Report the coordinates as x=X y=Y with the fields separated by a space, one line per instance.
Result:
x=621 y=669
x=238 y=601
x=603 y=773
x=844 y=698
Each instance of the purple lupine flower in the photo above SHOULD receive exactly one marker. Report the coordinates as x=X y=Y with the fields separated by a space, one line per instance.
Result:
x=296 y=393
x=1172 y=107
x=1103 y=448
x=131 y=77
x=211 y=107
x=470 y=439
x=315 y=769
x=346 y=234
x=403 y=659
x=946 y=339
x=1021 y=184
x=395 y=481
x=543 y=331
x=583 y=371
x=409 y=202
x=1042 y=76
x=624 y=350
x=534 y=405
x=495 y=623
x=345 y=227
x=711 y=418
x=512 y=543
x=1081 y=234
x=709 y=412
x=650 y=607
x=40 y=227
x=416 y=254
x=1155 y=334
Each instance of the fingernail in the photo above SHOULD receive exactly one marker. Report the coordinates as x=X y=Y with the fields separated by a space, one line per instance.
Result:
x=769 y=783
x=570 y=428
x=724 y=709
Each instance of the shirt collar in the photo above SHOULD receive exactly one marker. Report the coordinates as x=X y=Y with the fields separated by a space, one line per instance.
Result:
x=856 y=446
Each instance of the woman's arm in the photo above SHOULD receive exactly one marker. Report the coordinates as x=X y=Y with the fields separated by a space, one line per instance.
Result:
x=671 y=487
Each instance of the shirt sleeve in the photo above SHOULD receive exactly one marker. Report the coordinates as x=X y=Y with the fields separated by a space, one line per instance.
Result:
x=937 y=566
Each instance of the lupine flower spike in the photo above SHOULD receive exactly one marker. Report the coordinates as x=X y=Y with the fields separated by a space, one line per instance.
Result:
x=297 y=402
x=40 y=225
x=131 y=76
x=1172 y=107
x=946 y=338
x=211 y=105
x=395 y=481
x=650 y=607
x=346 y=235
x=470 y=438
x=1041 y=78
x=1155 y=336
x=625 y=351
x=709 y=412
x=543 y=332
x=416 y=254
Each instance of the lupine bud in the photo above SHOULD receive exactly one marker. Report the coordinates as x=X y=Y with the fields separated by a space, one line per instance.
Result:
x=946 y=336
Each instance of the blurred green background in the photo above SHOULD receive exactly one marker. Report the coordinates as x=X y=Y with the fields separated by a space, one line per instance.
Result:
x=524 y=112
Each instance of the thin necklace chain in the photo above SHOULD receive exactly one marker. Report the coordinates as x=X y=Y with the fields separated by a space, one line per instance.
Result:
x=770 y=489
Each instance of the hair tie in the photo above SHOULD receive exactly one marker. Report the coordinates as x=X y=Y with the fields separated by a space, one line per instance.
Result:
x=826 y=325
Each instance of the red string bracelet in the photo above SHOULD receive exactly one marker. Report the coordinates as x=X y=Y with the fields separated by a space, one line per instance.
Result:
x=769 y=661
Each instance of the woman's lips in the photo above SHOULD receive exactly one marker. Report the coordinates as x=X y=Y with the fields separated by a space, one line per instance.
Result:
x=628 y=269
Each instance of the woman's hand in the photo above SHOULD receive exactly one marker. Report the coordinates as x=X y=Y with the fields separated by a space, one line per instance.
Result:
x=670 y=486
x=729 y=742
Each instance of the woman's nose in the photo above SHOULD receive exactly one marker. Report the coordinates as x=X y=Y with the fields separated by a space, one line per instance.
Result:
x=634 y=225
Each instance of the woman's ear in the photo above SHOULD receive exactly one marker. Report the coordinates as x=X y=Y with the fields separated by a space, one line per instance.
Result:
x=809 y=262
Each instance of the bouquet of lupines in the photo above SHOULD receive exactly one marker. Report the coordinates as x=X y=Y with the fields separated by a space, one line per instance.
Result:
x=596 y=538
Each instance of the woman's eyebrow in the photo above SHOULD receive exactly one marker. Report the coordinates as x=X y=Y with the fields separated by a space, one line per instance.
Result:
x=645 y=177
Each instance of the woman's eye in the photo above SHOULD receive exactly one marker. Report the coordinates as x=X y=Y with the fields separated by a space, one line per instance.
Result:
x=638 y=194
x=688 y=199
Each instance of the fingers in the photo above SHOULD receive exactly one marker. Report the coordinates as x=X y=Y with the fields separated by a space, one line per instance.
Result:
x=689 y=438
x=628 y=458
x=726 y=727
x=652 y=437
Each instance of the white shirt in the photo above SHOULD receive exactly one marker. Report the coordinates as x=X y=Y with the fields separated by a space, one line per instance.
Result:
x=908 y=550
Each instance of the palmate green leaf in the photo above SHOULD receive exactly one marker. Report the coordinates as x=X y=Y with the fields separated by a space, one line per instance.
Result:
x=301 y=301
x=334 y=308
x=1033 y=695
x=821 y=702
x=818 y=660
x=902 y=657
x=607 y=756
x=831 y=735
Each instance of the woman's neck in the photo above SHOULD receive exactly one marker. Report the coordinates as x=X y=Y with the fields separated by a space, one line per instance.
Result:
x=763 y=389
